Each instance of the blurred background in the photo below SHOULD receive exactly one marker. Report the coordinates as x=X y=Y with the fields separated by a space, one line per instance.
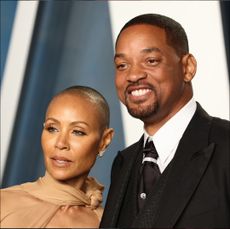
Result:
x=47 y=46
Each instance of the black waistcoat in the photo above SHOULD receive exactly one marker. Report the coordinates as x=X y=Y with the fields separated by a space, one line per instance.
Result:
x=128 y=216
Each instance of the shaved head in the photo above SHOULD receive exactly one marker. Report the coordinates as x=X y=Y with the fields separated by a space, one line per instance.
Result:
x=92 y=95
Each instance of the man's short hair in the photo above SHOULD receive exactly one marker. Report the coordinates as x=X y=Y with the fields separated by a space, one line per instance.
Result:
x=175 y=33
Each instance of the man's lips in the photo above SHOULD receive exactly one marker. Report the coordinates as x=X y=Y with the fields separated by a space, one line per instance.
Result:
x=138 y=91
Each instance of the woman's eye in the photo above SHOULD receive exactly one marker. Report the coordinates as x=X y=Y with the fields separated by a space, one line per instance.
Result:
x=79 y=133
x=51 y=129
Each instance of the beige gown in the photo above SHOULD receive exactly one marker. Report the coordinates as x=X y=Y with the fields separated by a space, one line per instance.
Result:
x=50 y=203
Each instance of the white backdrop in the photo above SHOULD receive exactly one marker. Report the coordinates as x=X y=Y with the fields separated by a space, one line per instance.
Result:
x=202 y=23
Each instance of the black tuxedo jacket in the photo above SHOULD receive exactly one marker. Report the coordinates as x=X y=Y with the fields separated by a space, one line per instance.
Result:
x=197 y=190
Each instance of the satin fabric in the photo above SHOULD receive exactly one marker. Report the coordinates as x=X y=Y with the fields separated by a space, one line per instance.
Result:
x=48 y=203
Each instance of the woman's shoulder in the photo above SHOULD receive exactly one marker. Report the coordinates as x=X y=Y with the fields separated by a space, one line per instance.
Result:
x=11 y=192
x=20 y=209
x=13 y=196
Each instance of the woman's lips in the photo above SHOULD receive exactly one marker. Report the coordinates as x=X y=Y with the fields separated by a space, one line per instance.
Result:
x=61 y=161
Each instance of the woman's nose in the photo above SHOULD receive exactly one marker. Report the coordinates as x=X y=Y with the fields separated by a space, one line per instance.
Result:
x=62 y=142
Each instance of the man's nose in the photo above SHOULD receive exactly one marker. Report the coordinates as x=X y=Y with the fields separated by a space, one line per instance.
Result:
x=62 y=142
x=136 y=73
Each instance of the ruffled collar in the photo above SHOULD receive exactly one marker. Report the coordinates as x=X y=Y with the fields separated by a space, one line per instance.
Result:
x=48 y=189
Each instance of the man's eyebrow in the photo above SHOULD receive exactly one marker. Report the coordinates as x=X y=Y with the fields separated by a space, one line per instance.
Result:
x=145 y=50
x=119 y=55
x=149 y=50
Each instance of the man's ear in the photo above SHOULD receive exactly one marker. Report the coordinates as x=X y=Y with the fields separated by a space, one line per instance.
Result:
x=106 y=139
x=189 y=67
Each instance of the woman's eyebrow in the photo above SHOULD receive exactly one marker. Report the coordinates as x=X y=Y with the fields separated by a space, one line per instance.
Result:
x=79 y=122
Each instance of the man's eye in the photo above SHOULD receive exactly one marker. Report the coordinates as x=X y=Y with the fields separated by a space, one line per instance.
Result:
x=153 y=61
x=78 y=133
x=122 y=66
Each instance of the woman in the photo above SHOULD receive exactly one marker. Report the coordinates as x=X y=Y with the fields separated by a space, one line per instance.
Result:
x=76 y=130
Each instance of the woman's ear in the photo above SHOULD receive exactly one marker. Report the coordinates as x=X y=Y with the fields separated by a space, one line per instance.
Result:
x=106 y=140
x=189 y=67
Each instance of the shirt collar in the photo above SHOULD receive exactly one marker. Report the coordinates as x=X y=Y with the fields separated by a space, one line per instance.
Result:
x=169 y=135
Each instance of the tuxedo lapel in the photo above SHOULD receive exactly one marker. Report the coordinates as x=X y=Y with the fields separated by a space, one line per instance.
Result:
x=189 y=164
x=187 y=167
x=122 y=167
x=182 y=185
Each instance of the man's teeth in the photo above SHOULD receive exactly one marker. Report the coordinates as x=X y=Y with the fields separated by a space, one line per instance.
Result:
x=140 y=92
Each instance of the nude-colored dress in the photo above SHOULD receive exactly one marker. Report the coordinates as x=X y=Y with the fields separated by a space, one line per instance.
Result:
x=50 y=203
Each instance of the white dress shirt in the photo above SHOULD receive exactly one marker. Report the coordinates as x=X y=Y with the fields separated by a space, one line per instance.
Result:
x=167 y=138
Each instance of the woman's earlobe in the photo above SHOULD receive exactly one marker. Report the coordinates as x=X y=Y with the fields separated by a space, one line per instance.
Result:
x=107 y=138
x=101 y=153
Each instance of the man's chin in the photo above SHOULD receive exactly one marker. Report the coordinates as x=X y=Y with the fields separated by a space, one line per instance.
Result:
x=142 y=113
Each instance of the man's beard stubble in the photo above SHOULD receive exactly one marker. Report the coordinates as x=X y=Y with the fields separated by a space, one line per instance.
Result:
x=141 y=112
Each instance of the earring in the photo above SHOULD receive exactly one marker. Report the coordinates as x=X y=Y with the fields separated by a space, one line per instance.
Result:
x=101 y=153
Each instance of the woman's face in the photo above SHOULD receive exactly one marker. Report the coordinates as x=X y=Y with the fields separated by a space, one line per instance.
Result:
x=72 y=137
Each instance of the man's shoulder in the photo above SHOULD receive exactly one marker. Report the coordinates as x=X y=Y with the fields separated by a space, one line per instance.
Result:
x=221 y=123
x=127 y=152
x=217 y=123
x=220 y=129
x=132 y=146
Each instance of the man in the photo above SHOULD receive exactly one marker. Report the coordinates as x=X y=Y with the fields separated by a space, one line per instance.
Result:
x=191 y=186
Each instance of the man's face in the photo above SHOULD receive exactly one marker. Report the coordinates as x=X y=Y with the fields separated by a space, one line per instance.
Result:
x=149 y=73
